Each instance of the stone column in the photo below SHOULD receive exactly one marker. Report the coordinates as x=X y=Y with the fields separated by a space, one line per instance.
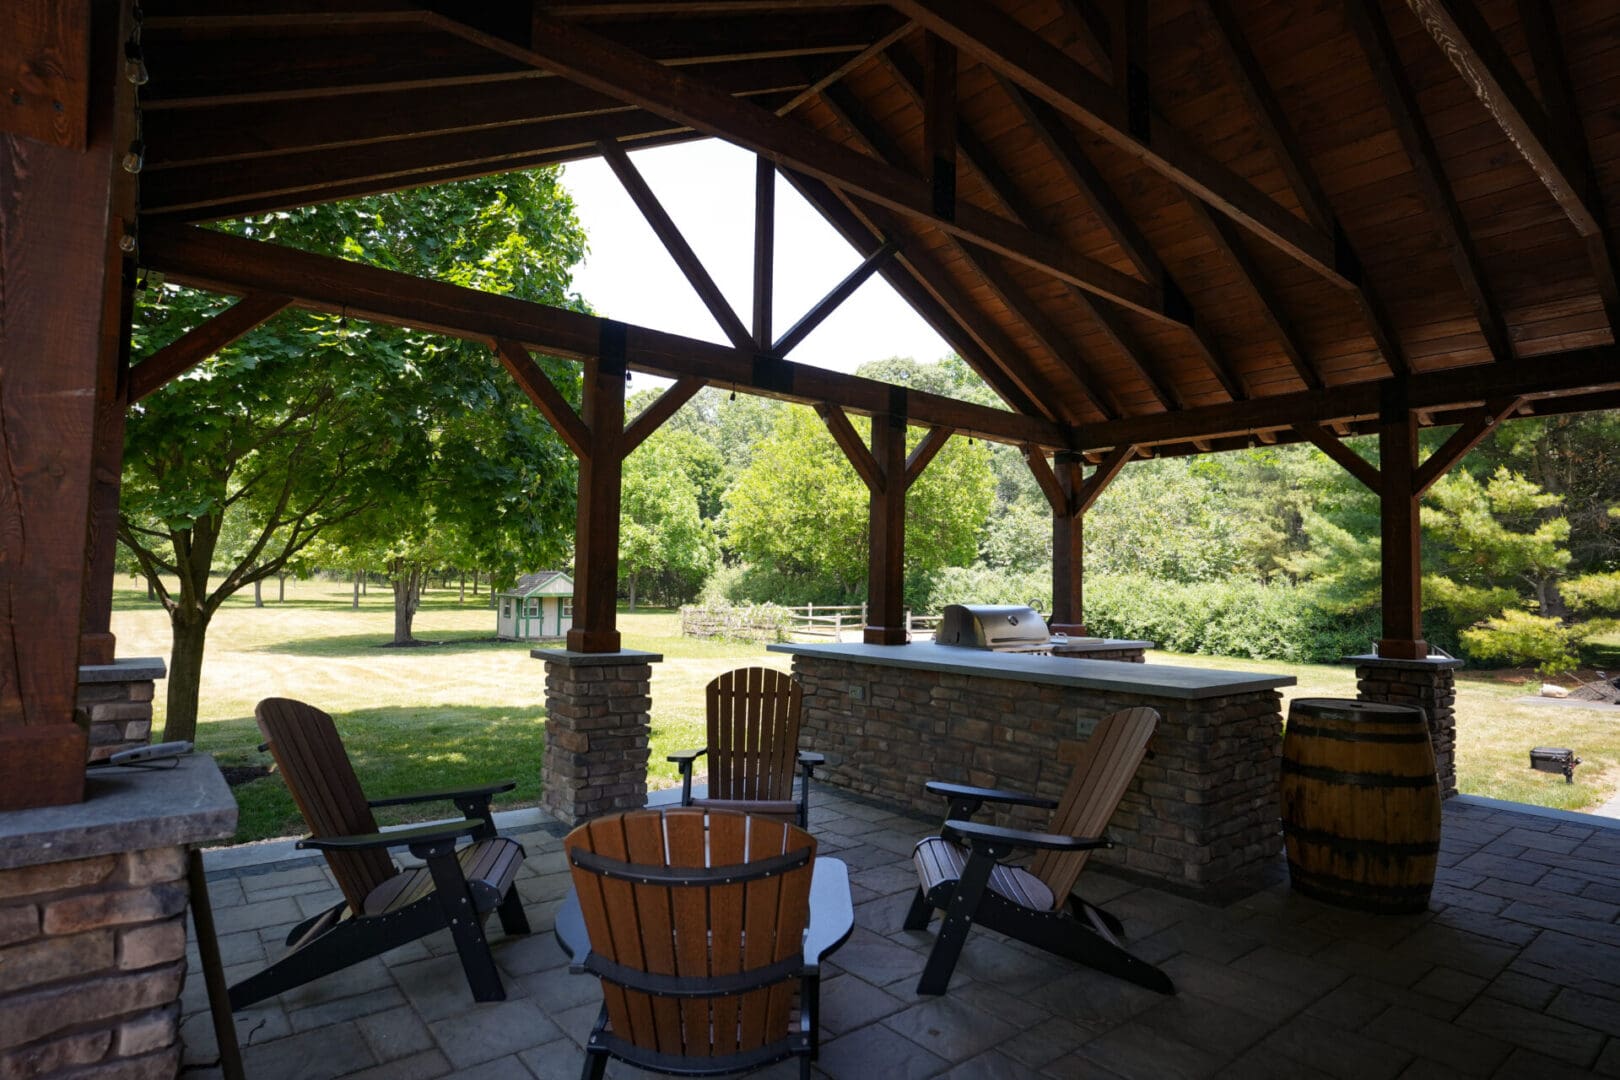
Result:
x=116 y=700
x=1428 y=684
x=92 y=922
x=597 y=723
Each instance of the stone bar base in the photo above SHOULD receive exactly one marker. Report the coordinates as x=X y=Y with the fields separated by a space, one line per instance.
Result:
x=92 y=923
x=116 y=699
x=597 y=724
x=1203 y=808
x=1090 y=648
x=1428 y=684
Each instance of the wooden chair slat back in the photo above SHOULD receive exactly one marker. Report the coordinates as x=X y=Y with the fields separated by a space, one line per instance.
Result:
x=310 y=755
x=753 y=734
x=1106 y=764
x=695 y=930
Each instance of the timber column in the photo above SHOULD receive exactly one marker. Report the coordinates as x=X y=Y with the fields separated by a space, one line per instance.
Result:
x=1401 y=543
x=886 y=555
x=1068 y=549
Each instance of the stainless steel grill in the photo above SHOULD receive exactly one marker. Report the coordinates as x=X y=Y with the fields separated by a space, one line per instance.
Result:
x=999 y=628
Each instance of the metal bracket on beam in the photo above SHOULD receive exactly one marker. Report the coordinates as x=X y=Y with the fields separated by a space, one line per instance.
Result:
x=772 y=374
x=613 y=347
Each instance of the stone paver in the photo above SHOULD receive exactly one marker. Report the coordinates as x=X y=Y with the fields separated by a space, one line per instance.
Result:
x=1515 y=971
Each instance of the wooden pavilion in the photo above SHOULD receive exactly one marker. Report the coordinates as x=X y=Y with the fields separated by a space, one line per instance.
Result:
x=1153 y=229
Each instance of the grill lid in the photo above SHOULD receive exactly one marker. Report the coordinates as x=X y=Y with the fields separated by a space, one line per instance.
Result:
x=991 y=626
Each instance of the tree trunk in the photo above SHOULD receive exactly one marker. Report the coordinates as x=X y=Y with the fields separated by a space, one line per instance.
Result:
x=151 y=590
x=363 y=584
x=407 y=595
x=356 y=604
x=632 y=592
x=281 y=588
x=475 y=583
x=190 y=629
x=258 y=592
x=462 y=599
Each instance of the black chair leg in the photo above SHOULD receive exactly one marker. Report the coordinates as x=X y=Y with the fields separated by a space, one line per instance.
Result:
x=953 y=930
x=466 y=925
x=513 y=918
x=1092 y=913
x=1086 y=947
x=596 y=1057
x=921 y=911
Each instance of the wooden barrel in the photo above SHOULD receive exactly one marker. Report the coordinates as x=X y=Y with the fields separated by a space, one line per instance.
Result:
x=1360 y=804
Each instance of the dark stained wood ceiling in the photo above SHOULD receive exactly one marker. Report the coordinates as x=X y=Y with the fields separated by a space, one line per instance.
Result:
x=1076 y=268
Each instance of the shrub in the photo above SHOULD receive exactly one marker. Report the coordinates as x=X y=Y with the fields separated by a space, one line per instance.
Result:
x=1518 y=637
x=747 y=622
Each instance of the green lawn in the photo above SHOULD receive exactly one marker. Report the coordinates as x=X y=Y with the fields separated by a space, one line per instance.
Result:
x=470 y=709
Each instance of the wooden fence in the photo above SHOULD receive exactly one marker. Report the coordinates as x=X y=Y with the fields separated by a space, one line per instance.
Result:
x=769 y=622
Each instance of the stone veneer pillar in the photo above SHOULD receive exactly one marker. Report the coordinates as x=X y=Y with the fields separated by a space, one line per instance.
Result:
x=116 y=699
x=597 y=724
x=92 y=923
x=1428 y=684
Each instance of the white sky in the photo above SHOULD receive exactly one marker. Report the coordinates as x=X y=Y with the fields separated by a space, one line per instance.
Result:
x=707 y=187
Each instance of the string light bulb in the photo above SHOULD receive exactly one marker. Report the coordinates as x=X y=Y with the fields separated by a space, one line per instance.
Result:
x=135 y=157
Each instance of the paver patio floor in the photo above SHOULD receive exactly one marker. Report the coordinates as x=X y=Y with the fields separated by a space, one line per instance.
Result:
x=1513 y=972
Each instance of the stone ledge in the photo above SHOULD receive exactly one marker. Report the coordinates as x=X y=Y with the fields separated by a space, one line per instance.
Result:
x=124 y=669
x=569 y=658
x=1429 y=664
x=125 y=809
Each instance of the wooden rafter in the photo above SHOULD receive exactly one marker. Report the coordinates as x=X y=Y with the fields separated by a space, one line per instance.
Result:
x=1004 y=191
x=1023 y=56
x=654 y=415
x=1471 y=46
x=1045 y=123
x=932 y=442
x=663 y=226
x=830 y=303
x=1540 y=24
x=917 y=278
x=1107 y=469
x=854 y=63
x=201 y=342
x=854 y=116
x=1352 y=462
x=939 y=121
x=1366 y=19
x=849 y=441
x=764 y=249
x=207 y=259
x=545 y=396
x=594 y=61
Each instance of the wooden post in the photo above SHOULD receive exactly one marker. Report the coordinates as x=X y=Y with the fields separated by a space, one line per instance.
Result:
x=885 y=573
x=1398 y=513
x=596 y=534
x=1068 y=551
x=60 y=314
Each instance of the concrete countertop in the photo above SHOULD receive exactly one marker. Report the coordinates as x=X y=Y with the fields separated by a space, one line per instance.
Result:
x=125 y=809
x=1149 y=680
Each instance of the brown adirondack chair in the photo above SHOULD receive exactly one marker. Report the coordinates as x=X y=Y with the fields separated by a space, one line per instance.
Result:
x=383 y=906
x=753 y=746
x=707 y=929
x=962 y=870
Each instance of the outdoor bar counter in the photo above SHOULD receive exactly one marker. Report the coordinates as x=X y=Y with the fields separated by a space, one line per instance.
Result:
x=1202 y=812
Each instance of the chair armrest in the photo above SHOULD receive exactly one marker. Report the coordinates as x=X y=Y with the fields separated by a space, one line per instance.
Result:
x=811 y=759
x=984 y=795
x=684 y=758
x=832 y=915
x=980 y=835
x=571 y=933
x=447 y=795
x=422 y=834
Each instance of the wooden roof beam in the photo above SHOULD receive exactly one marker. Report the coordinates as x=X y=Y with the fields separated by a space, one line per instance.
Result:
x=924 y=285
x=829 y=303
x=595 y=61
x=854 y=116
x=1540 y=26
x=1060 y=142
x=1013 y=50
x=854 y=63
x=764 y=249
x=661 y=409
x=1005 y=193
x=1366 y=19
x=219 y=262
x=849 y=441
x=1579 y=372
x=664 y=227
x=200 y=342
x=932 y=442
x=1469 y=43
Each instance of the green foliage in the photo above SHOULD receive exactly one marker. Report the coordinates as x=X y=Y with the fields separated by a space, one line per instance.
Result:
x=664 y=543
x=1518 y=637
x=800 y=508
x=1593 y=593
x=1237 y=617
x=984 y=584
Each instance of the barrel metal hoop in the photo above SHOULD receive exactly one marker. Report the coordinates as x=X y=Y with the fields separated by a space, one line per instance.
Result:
x=1345 y=735
x=1357 y=779
x=1320 y=884
x=1364 y=847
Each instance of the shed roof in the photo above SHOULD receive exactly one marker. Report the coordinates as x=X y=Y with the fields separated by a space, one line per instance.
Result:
x=541 y=583
x=1268 y=207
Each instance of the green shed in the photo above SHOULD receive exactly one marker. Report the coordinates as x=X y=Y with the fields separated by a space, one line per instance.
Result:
x=540 y=607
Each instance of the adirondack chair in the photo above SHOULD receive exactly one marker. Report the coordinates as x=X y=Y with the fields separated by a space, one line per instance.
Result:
x=707 y=929
x=383 y=906
x=753 y=746
x=962 y=871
